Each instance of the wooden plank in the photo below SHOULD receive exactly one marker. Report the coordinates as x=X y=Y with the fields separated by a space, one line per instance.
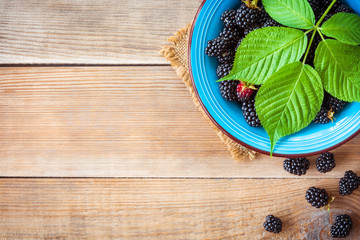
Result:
x=118 y=122
x=89 y=32
x=166 y=209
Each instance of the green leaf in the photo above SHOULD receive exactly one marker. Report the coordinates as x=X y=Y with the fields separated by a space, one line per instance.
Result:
x=339 y=67
x=291 y=13
x=289 y=100
x=345 y=27
x=264 y=51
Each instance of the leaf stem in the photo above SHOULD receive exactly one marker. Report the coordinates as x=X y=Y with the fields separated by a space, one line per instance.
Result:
x=309 y=46
x=325 y=13
x=321 y=35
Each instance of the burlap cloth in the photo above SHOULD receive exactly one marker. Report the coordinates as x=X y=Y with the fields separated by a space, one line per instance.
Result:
x=177 y=54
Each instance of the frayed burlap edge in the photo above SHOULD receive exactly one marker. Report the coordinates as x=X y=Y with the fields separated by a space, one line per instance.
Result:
x=177 y=54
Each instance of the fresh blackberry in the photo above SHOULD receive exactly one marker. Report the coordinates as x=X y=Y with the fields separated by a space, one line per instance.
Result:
x=326 y=162
x=227 y=56
x=224 y=69
x=324 y=116
x=311 y=55
x=216 y=47
x=247 y=17
x=332 y=102
x=228 y=18
x=272 y=224
x=328 y=16
x=316 y=7
x=271 y=23
x=228 y=89
x=250 y=29
x=230 y=35
x=348 y=183
x=317 y=197
x=249 y=112
x=342 y=226
x=343 y=8
x=296 y=166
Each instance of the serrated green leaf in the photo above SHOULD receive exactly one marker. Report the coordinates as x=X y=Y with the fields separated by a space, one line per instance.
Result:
x=291 y=13
x=264 y=51
x=345 y=27
x=338 y=64
x=289 y=100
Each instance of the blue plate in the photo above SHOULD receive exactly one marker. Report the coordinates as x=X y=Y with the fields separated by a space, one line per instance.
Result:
x=312 y=140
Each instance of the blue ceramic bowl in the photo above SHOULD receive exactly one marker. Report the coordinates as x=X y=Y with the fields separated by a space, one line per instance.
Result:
x=312 y=140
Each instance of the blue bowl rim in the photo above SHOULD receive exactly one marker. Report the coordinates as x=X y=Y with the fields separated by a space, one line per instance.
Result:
x=228 y=134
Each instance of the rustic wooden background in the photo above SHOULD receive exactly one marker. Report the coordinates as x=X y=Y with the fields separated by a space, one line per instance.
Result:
x=99 y=139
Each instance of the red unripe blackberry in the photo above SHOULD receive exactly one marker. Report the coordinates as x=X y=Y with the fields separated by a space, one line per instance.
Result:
x=245 y=91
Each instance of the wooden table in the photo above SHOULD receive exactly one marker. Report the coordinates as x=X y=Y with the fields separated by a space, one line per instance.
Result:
x=99 y=139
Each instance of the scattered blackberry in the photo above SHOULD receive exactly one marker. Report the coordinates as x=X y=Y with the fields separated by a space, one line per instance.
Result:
x=249 y=112
x=230 y=35
x=224 y=69
x=228 y=18
x=334 y=103
x=348 y=183
x=296 y=166
x=227 y=56
x=324 y=116
x=228 y=89
x=342 y=226
x=326 y=162
x=273 y=224
x=216 y=47
x=247 y=17
x=317 y=197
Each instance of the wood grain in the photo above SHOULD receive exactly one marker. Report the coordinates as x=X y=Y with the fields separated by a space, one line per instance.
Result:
x=166 y=209
x=89 y=32
x=118 y=122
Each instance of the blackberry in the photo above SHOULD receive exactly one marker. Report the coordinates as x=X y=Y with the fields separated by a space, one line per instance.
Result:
x=342 y=226
x=250 y=29
x=348 y=183
x=317 y=197
x=230 y=35
x=324 y=116
x=247 y=17
x=343 y=8
x=332 y=102
x=216 y=47
x=249 y=112
x=316 y=7
x=228 y=89
x=271 y=23
x=228 y=18
x=326 y=162
x=227 y=57
x=311 y=55
x=224 y=69
x=273 y=224
x=296 y=166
